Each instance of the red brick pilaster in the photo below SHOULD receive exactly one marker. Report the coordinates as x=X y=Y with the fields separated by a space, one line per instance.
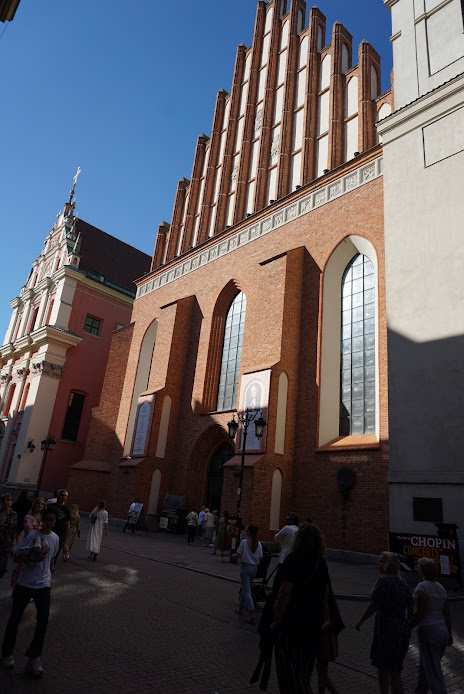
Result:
x=197 y=170
x=316 y=20
x=368 y=58
x=177 y=216
x=286 y=130
x=231 y=134
x=243 y=173
x=214 y=147
x=160 y=246
x=262 y=173
x=340 y=37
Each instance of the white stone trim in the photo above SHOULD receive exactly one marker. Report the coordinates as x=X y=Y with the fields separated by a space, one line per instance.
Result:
x=223 y=246
x=429 y=13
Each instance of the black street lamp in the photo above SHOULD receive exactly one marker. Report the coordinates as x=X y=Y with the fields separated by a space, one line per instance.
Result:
x=245 y=420
x=47 y=444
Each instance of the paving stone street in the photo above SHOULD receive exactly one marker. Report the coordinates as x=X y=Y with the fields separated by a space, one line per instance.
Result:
x=157 y=616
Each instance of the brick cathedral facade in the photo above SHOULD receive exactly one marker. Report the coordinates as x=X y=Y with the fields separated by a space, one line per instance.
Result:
x=283 y=215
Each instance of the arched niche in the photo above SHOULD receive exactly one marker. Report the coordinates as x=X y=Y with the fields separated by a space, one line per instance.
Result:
x=164 y=427
x=141 y=380
x=281 y=414
x=276 y=494
x=154 y=493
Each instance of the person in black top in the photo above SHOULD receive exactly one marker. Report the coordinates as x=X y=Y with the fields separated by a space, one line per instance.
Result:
x=63 y=519
x=301 y=611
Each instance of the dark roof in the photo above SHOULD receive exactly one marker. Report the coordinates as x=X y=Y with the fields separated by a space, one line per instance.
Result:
x=108 y=259
x=8 y=9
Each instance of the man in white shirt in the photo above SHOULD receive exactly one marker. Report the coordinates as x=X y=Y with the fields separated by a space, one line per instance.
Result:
x=33 y=583
x=285 y=539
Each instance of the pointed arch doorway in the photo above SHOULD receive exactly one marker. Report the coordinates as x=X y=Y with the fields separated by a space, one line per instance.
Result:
x=216 y=475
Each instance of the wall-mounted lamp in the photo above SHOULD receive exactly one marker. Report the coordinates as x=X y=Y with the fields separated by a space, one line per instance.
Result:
x=31 y=446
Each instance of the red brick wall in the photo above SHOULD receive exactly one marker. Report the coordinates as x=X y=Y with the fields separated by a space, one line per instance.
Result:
x=282 y=332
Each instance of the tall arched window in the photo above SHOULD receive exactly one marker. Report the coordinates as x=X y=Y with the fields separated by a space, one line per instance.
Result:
x=357 y=396
x=231 y=354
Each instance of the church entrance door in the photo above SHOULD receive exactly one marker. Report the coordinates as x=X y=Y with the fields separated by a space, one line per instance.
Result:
x=216 y=476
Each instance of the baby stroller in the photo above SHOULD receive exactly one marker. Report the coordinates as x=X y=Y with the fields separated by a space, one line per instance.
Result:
x=259 y=586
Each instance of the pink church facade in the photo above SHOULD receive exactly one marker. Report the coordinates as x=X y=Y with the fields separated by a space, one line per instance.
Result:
x=53 y=359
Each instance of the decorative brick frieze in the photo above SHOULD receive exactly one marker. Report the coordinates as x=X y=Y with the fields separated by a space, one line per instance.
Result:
x=314 y=200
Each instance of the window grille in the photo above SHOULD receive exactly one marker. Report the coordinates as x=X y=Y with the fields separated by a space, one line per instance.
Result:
x=357 y=401
x=231 y=354
x=92 y=325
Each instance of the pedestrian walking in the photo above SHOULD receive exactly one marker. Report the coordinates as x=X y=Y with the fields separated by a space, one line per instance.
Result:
x=129 y=515
x=98 y=525
x=8 y=528
x=221 y=533
x=35 y=553
x=32 y=521
x=433 y=627
x=21 y=507
x=285 y=538
x=74 y=530
x=391 y=599
x=63 y=518
x=250 y=552
x=301 y=610
x=192 y=522
x=208 y=528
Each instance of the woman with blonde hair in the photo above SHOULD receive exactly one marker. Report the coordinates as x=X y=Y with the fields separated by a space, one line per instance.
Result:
x=433 y=627
x=391 y=600
x=98 y=523
x=33 y=519
x=74 y=529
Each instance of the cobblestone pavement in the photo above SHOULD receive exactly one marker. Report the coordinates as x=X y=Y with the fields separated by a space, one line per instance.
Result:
x=130 y=623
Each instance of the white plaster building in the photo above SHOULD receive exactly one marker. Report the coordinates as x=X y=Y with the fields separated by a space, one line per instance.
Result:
x=52 y=362
x=423 y=143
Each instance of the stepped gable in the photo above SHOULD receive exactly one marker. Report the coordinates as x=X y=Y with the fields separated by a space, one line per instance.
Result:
x=298 y=108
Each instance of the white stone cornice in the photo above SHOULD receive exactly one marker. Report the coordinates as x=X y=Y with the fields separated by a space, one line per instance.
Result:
x=279 y=217
x=17 y=302
x=390 y=3
x=46 y=335
x=423 y=110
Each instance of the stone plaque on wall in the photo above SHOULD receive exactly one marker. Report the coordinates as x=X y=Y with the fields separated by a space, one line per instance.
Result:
x=145 y=407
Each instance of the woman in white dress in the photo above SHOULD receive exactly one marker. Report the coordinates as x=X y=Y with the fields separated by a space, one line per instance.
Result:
x=98 y=523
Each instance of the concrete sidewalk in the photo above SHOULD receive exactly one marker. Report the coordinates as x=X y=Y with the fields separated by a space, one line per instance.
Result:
x=350 y=580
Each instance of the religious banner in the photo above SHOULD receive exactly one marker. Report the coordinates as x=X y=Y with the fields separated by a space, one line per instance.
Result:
x=254 y=397
x=410 y=548
x=143 y=419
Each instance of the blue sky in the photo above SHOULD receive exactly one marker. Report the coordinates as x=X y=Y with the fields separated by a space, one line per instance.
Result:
x=122 y=90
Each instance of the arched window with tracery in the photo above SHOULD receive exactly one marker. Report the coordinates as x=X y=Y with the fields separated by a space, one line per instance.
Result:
x=357 y=391
x=229 y=375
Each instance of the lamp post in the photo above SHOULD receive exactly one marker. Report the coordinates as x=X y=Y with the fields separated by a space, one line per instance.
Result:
x=47 y=444
x=245 y=420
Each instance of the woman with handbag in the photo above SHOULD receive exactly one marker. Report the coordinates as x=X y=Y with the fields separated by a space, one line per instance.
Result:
x=98 y=524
